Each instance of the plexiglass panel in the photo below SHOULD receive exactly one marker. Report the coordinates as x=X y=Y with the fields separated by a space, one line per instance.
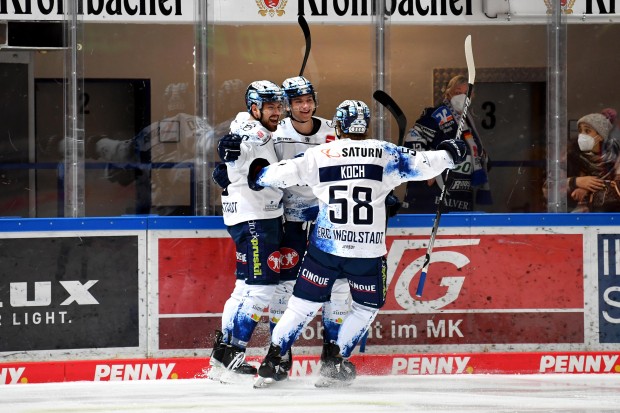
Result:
x=507 y=106
x=155 y=90
x=592 y=105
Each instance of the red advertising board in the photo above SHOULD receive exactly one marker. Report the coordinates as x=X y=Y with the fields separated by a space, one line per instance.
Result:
x=481 y=289
x=495 y=288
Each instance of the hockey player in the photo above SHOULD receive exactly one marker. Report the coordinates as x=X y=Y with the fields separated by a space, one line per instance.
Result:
x=351 y=177
x=254 y=221
x=299 y=131
x=469 y=184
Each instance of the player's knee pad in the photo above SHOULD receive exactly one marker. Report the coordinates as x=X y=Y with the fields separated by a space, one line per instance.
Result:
x=303 y=307
x=230 y=308
x=279 y=301
x=297 y=316
x=258 y=295
x=334 y=313
x=355 y=326
x=249 y=312
x=363 y=312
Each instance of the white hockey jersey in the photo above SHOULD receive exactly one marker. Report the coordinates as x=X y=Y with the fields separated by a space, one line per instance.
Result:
x=300 y=204
x=351 y=179
x=239 y=202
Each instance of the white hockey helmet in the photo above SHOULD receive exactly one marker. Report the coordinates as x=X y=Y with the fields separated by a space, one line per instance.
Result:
x=298 y=86
x=262 y=91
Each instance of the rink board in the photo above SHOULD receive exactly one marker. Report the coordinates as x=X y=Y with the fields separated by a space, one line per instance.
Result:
x=468 y=299
x=504 y=294
x=496 y=283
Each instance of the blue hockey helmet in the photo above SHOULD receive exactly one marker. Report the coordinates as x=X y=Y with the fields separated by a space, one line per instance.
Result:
x=298 y=86
x=353 y=116
x=262 y=91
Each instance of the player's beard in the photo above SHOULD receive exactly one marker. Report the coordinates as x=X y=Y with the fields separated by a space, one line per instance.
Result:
x=271 y=123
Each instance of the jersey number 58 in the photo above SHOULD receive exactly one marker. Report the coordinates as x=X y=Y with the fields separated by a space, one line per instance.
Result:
x=361 y=212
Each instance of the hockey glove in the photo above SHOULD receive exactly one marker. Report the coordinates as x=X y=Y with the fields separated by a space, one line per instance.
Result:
x=228 y=147
x=256 y=166
x=457 y=148
x=393 y=204
x=220 y=176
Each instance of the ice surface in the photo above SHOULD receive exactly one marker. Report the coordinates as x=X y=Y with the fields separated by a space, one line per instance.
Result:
x=436 y=393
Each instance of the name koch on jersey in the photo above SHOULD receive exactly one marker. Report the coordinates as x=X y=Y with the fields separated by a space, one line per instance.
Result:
x=345 y=172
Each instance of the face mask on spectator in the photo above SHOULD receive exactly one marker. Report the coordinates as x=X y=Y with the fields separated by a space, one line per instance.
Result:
x=586 y=142
x=458 y=102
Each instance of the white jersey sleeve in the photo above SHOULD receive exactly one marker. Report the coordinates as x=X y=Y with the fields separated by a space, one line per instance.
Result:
x=300 y=203
x=351 y=179
x=239 y=202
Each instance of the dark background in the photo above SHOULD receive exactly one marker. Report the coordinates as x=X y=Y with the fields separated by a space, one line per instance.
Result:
x=113 y=261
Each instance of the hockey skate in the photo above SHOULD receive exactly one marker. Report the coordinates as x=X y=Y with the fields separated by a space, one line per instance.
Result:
x=271 y=369
x=215 y=362
x=285 y=365
x=336 y=371
x=325 y=351
x=235 y=368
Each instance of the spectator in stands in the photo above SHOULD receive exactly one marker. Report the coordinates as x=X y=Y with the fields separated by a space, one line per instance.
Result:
x=598 y=164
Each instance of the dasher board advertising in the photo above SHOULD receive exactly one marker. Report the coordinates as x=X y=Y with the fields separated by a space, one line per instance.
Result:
x=69 y=292
x=486 y=289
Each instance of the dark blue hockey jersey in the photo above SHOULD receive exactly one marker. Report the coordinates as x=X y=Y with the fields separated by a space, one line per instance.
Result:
x=437 y=124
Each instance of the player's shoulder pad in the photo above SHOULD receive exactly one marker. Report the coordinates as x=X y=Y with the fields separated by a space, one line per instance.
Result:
x=254 y=131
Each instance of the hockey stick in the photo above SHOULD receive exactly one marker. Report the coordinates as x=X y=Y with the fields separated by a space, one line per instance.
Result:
x=304 y=27
x=401 y=120
x=471 y=71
